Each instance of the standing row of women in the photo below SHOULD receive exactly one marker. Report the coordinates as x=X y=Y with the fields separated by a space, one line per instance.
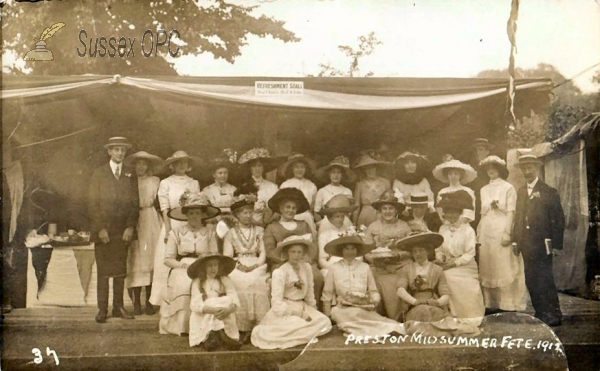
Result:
x=227 y=221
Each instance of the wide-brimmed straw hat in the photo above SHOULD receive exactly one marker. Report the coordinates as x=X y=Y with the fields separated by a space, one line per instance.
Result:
x=260 y=154
x=286 y=169
x=418 y=198
x=383 y=253
x=421 y=160
x=193 y=200
x=155 y=162
x=117 y=141
x=468 y=173
x=305 y=240
x=338 y=204
x=367 y=160
x=460 y=200
x=182 y=155
x=336 y=247
x=226 y=159
x=496 y=162
x=428 y=240
x=388 y=198
x=198 y=268
x=483 y=142
x=340 y=162
x=529 y=159
x=293 y=194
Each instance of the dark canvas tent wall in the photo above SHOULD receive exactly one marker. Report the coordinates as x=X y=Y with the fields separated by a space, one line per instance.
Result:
x=204 y=115
x=571 y=166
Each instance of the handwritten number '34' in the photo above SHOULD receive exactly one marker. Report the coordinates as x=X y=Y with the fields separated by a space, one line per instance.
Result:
x=39 y=358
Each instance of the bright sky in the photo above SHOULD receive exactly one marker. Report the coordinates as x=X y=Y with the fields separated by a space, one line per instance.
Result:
x=421 y=38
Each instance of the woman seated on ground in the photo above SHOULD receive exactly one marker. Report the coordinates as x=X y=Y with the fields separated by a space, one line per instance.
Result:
x=244 y=242
x=293 y=318
x=423 y=287
x=350 y=288
x=185 y=244
x=214 y=304
x=457 y=257
x=383 y=233
x=335 y=213
x=288 y=202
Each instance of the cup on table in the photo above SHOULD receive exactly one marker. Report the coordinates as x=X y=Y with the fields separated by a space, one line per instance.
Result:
x=71 y=232
x=52 y=230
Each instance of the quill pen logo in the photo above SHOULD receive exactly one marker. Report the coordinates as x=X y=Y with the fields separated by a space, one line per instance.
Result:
x=40 y=53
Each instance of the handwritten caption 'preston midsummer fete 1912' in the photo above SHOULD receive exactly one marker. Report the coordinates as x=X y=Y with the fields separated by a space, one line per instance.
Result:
x=507 y=342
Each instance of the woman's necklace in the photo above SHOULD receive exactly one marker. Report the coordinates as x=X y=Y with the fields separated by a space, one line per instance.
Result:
x=242 y=236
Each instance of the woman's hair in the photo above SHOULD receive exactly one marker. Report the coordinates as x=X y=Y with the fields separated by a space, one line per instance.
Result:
x=149 y=169
x=447 y=170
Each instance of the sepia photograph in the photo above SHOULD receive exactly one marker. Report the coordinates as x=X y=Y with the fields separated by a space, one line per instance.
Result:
x=300 y=185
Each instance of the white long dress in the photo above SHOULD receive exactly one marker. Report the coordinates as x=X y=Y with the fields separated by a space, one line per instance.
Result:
x=466 y=299
x=217 y=294
x=468 y=214
x=309 y=189
x=356 y=277
x=140 y=262
x=169 y=192
x=286 y=324
x=501 y=272
x=245 y=245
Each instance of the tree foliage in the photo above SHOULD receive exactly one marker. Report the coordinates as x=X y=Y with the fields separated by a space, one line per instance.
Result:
x=569 y=106
x=366 y=46
x=218 y=28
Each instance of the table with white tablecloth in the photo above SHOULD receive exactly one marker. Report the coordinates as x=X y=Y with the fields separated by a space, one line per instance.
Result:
x=71 y=279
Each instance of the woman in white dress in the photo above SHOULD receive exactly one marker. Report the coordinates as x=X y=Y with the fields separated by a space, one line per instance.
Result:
x=335 y=172
x=214 y=304
x=501 y=271
x=296 y=169
x=335 y=212
x=293 y=318
x=456 y=174
x=140 y=262
x=244 y=242
x=169 y=192
x=258 y=161
x=185 y=244
x=351 y=289
x=410 y=170
x=456 y=256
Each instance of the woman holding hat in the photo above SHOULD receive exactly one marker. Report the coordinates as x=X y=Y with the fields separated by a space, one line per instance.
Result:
x=259 y=161
x=295 y=170
x=169 y=192
x=501 y=271
x=368 y=189
x=214 y=303
x=244 y=242
x=288 y=202
x=293 y=318
x=422 y=285
x=383 y=233
x=185 y=244
x=335 y=172
x=410 y=169
x=354 y=299
x=140 y=263
x=457 y=174
x=456 y=256
x=333 y=224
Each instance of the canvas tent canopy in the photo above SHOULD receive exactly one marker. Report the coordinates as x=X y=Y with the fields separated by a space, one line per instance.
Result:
x=57 y=124
x=572 y=166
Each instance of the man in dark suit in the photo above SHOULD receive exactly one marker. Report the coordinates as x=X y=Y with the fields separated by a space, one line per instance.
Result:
x=538 y=232
x=113 y=212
